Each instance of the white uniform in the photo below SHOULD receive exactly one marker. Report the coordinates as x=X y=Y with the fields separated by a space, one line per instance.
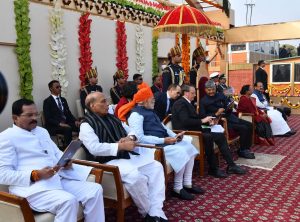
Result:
x=142 y=176
x=279 y=125
x=22 y=151
x=180 y=155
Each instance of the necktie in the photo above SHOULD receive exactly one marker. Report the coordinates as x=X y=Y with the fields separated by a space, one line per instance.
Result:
x=59 y=104
x=168 y=105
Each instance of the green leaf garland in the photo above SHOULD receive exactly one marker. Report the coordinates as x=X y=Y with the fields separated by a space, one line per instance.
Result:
x=154 y=55
x=21 y=8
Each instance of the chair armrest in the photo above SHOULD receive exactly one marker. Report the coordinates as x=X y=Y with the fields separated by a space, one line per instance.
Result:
x=245 y=114
x=19 y=203
x=98 y=173
x=107 y=168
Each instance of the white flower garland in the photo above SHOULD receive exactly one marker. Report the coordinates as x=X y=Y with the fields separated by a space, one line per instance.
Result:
x=58 y=50
x=140 y=60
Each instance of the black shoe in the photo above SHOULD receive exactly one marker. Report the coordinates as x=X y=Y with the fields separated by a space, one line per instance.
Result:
x=184 y=195
x=194 y=190
x=218 y=173
x=149 y=218
x=235 y=169
x=163 y=220
x=292 y=132
x=246 y=154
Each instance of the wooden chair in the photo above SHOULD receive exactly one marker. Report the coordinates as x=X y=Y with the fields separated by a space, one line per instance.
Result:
x=16 y=209
x=230 y=137
x=114 y=192
x=249 y=117
x=58 y=138
x=197 y=141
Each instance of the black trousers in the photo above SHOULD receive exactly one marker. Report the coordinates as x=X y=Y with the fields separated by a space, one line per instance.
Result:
x=244 y=129
x=220 y=140
x=66 y=131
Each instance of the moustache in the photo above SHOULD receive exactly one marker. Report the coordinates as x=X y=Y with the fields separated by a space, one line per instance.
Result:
x=33 y=121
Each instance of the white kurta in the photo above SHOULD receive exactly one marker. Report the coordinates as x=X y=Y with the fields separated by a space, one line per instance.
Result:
x=278 y=125
x=142 y=176
x=22 y=151
x=177 y=155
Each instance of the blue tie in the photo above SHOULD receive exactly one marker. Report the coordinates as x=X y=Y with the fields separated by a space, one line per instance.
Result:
x=59 y=104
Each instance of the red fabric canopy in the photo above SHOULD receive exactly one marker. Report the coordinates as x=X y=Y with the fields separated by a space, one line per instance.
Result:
x=187 y=20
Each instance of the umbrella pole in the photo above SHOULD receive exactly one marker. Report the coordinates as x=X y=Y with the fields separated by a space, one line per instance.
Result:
x=198 y=90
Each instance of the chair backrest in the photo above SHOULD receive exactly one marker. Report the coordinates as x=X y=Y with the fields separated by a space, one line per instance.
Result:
x=43 y=121
x=80 y=111
x=4 y=188
x=167 y=121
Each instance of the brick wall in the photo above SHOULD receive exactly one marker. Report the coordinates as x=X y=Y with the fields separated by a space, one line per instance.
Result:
x=238 y=78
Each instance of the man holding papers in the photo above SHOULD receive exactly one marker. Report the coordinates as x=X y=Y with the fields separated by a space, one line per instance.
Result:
x=178 y=150
x=108 y=142
x=184 y=117
x=28 y=159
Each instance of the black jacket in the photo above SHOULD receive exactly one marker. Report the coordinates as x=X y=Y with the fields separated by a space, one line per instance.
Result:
x=160 y=106
x=53 y=115
x=184 y=116
x=262 y=76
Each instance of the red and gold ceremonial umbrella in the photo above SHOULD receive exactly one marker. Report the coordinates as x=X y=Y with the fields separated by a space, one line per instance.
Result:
x=188 y=20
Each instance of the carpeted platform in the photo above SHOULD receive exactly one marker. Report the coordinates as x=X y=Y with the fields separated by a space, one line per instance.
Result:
x=262 y=161
x=260 y=195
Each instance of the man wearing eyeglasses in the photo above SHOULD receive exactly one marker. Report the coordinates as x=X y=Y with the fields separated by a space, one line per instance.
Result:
x=58 y=116
x=164 y=101
x=28 y=165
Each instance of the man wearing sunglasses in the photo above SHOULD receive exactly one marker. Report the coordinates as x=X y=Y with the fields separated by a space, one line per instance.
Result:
x=58 y=116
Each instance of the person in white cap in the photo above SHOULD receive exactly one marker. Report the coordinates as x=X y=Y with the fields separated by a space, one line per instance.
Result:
x=215 y=77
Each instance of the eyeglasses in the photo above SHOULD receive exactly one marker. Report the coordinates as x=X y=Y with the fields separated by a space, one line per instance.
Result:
x=141 y=79
x=30 y=115
x=58 y=87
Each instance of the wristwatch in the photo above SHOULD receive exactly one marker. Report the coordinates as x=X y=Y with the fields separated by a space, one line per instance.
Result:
x=132 y=137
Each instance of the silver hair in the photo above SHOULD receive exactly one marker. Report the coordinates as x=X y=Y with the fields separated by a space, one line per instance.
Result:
x=210 y=84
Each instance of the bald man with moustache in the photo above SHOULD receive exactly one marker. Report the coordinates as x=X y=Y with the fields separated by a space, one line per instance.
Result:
x=108 y=142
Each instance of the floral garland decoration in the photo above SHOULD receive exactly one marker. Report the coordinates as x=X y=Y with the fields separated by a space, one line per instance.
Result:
x=85 y=47
x=122 y=59
x=58 y=51
x=297 y=90
x=286 y=101
x=186 y=53
x=21 y=8
x=155 y=69
x=280 y=91
x=177 y=38
x=140 y=60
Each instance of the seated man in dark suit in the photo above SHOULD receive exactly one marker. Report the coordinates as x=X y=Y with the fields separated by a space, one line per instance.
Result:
x=58 y=116
x=217 y=105
x=157 y=85
x=184 y=117
x=164 y=101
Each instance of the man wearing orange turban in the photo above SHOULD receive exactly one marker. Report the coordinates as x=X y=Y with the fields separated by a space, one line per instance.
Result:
x=179 y=151
x=109 y=142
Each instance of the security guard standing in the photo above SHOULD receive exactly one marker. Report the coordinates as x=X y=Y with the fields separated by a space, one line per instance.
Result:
x=92 y=79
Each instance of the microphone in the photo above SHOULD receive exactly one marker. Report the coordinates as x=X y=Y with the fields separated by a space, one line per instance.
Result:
x=3 y=92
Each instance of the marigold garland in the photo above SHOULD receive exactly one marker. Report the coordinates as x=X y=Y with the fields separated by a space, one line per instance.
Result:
x=279 y=91
x=286 y=101
x=177 y=39
x=21 y=8
x=85 y=59
x=186 y=53
x=58 y=50
x=122 y=59
x=155 y=69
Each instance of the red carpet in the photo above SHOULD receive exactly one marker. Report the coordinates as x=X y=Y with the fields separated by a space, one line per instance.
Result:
x=258 y=196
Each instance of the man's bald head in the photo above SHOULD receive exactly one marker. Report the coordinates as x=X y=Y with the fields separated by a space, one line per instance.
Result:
x=97 y=103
